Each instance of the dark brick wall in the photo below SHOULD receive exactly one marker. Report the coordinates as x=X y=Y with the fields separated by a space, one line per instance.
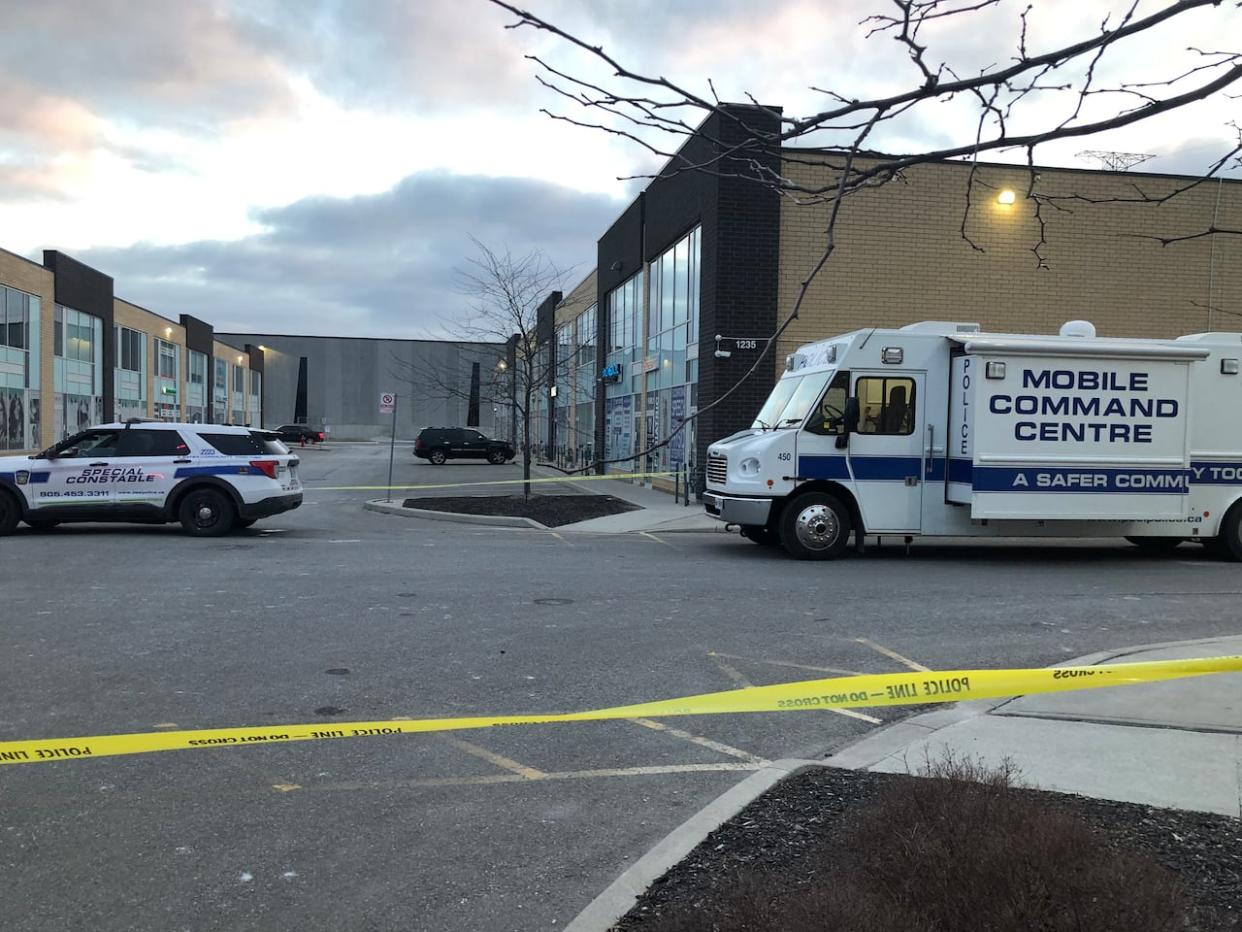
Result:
x=82 y=288
x=739 y=260
x=199 y=336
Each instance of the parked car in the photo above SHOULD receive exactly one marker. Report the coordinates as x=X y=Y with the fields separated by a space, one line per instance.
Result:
x=209 y=477
x=300 y=433
x=437 y=444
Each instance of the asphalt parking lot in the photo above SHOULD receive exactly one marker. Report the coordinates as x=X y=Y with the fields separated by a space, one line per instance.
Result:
x=331 y=612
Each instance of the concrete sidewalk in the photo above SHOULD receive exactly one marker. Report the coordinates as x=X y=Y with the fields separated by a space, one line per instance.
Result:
x=1176 y=744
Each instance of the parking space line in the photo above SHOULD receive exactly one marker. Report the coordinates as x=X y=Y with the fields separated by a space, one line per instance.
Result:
x=561 y=539
x=786 y=663
x=719 y=747
x=432 y=782
x=656 y=539
x=734 y=674
x=504 y=763
x=893 y=655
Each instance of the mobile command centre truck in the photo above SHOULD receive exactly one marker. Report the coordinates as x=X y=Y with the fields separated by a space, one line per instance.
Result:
x=938 y=429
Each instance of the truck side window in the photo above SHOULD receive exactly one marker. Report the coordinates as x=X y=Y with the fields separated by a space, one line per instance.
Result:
x=886 y=405
x=827 y=418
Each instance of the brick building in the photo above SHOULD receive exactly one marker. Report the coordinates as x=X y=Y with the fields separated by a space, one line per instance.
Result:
x=697 y=255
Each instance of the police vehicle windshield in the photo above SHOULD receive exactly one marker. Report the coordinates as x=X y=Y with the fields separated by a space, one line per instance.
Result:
x=791 y=400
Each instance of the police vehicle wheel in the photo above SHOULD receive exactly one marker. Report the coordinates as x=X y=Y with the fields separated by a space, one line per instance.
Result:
x=9 y=513
x=1229 y=542
x=1155 y=544
x=760 y=534
x=815 y=526
x=496 y=457
x=206 y=513
x=437 y=457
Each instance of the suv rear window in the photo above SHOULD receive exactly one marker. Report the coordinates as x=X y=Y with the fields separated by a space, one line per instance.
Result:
x=249 y=444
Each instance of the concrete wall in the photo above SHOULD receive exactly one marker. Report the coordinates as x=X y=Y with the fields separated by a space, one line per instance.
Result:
x=345 y=376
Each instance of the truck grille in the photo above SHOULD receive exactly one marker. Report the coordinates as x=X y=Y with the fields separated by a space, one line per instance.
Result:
x=717 y=469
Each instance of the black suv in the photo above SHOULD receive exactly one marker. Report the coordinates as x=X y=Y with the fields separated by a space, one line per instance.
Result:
x=300 y=433
x=438 y=444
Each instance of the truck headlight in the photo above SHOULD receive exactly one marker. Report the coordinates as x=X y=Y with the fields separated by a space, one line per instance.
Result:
x=749 y=466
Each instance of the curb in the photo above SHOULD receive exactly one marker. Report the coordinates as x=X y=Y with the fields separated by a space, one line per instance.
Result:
x=392 y=508
x=619 y=896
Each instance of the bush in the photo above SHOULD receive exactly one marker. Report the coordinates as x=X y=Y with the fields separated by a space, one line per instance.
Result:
x=962 y=847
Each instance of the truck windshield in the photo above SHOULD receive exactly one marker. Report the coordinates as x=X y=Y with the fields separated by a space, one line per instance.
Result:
x=791 y=400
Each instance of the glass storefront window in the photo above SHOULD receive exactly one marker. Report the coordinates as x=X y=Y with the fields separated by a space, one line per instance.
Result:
x=78 y=375
x=19 y=370
x=220 y=392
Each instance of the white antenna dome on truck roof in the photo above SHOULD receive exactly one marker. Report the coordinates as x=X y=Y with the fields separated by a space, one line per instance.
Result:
x=1083 y=329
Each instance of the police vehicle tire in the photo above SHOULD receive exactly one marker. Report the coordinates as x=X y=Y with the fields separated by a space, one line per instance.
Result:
x=815 y=526
x=496 y=457
x=437 y=457
x=206 y=513
x=1156 y=544
x=10 y=512
x=761 y=534
x=1229 y=541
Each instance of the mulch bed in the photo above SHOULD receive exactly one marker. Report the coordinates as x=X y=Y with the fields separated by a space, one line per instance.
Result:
x=548 y=510
x=782 y=841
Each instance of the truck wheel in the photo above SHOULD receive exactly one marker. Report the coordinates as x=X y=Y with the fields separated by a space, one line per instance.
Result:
x=10 y=513
x=1156 y=544
x=206 y=513
x=1228 y=542
x=761 y=534
x=437 y=457
x=815 y=526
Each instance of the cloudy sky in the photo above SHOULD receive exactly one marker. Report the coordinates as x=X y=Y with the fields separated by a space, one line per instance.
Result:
x=318 y=166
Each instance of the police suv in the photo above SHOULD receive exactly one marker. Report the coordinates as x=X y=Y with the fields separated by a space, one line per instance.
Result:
x=209 y=477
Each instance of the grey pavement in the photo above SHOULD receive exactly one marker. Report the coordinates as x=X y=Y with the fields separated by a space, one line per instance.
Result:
x=1176 y=744
x=109 y=629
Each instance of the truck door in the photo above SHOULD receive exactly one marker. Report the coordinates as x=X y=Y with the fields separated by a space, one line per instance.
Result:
x=79 y=475
x=886 y=454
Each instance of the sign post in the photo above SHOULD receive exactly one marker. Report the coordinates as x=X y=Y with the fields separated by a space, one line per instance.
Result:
x=388 y=405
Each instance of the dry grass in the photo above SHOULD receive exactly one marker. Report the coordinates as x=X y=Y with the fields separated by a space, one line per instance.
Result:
x=962 y=848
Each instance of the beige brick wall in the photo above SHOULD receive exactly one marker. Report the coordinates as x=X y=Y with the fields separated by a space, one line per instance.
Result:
x=34 y=279
x=900 y=256
x=577 y=301
x=155 y=327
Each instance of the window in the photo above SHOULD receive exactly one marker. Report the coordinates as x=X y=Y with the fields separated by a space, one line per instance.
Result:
x=251 y=443
x=831 y=416
x=130 y=349
x=90 y=443
x=239 y=379
x=137 y=442
x=198 y=368
x=886 y=406
x=473 y=436
x=166 y=361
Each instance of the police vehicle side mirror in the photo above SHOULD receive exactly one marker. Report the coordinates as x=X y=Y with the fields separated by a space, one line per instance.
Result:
x=849 y=423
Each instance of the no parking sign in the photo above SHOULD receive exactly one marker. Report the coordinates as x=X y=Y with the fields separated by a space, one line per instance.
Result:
x=388 y=402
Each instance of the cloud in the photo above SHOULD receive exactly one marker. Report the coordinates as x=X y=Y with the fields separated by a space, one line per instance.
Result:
x=378 y=265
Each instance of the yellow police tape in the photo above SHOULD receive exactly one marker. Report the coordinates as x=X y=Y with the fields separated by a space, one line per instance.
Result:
x=463 y=485
x=881 y=689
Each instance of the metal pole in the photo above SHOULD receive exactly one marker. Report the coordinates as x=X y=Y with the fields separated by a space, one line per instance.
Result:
x=392 y=445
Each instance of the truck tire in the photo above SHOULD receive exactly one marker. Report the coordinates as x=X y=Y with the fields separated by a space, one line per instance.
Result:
x=10 y=513
x=761 y=534
x=1228 y=543
x=815 y=526
x=1156 y=544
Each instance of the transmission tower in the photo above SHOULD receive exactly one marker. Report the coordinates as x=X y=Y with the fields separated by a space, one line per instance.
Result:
x=1115 y=161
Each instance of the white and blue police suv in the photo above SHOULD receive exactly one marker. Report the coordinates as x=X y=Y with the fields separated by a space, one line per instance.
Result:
x=938 y=429
x=209 y=477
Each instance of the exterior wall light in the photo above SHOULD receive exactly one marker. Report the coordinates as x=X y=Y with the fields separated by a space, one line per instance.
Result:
x=1006 y=197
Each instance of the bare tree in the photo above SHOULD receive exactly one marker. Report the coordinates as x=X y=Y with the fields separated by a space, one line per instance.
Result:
x=1030 y=98
x=505 y=291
